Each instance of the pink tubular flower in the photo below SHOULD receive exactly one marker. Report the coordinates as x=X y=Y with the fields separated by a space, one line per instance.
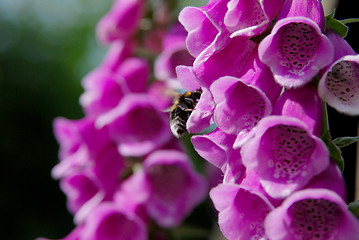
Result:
x=202 y=116
x=203 y=24
x=121 y=22
x=339 y=84
x=239 y=106
x=108 y=222
x=84 y=147
x=242 y=211
x=252 y=17
x=302 y=103
x=332 y=179
x=174 y=186
x=285 y=155
x=173 y=53
x=84 y=192
x=217 y=148
x=136 y=125
x=312 y=9
x=312 y=214
x=104 y=87
x=295 y=51
x=226 y=58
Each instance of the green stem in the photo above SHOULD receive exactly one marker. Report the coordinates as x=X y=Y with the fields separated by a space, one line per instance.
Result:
x=325 y=122
x=350 y=20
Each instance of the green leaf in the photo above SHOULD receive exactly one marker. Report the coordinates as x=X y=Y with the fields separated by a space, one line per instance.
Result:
x=336 y=25
x=354 y=208
x=345 y=141
x=335 y=153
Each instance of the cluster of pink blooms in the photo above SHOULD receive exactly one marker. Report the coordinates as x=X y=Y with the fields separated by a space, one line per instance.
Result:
x=124 y=173
x=264 y=68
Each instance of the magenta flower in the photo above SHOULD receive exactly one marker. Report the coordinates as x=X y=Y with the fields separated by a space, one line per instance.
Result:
x=217 y=148
x=121 y=22
x=174 y=186
x=312 y=9
x=104 y=88
x=285 y=155
x=295 y=51
x=252 y=17
x=107 y=221
x=202 y=116
x=136 y=125
x=102 y=92
x=312 y=214
x=302 y=103
x=84 y=192
x=203 y=24
x=332 y=179
x=229 y=59
x=117 y=53
x=173 y=53
x=239 y=106
x=339 y=84
x=83 y=147
x=242 y=211
x=210 y=64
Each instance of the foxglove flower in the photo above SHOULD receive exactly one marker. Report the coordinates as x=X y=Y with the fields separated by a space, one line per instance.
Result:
x=136 y=125
x=203 y=24
x=301 y=103
x=202 y=115
x=84 y=192
x=121 y=22
x=173 y=53
x=242 y=208
x=339 y=84
x=174 y=188
x=239 y=107
x=297 y=49
x=229 y=60
x=210 y=65
x=332 y=179
x=285 y=155
x=312 y=214
x=252 y=17
x=312 y=9
x=217 y=148
x=107 y=221
x=82 y=147
x=104 y=88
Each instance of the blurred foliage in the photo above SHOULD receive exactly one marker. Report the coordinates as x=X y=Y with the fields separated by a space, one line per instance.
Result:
x=46 y=47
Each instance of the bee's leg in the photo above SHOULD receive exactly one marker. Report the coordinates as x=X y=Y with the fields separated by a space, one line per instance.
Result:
x=184 y=108
x=190 y=101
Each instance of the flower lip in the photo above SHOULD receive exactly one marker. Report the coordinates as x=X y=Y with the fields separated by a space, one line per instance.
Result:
x=339 y=86
x=136 y=125
x=314 y=213
x=295 y=51
x=238 y=106
x=285 y=155
x=238 y=209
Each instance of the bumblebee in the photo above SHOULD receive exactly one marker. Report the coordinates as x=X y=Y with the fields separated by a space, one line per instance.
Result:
x=181 y=110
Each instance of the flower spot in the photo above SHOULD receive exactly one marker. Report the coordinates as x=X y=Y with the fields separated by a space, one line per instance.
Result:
x=290 y=148
x=314 y=219
x=343 y=82
x=299 y=42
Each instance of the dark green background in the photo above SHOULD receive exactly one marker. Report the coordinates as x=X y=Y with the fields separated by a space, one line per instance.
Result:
x=43 y=58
